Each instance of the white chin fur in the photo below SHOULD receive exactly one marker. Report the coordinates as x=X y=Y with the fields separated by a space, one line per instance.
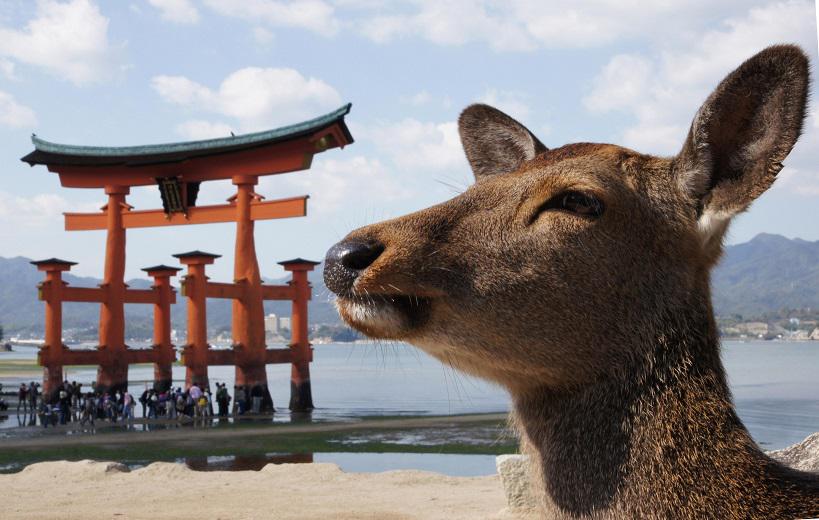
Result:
x=375 y=315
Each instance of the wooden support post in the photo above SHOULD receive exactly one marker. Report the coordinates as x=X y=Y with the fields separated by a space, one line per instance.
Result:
x=51 y=353
x=163 y=349
x=194 y=287
x=248 y=311
x=112 y=373
x=301 y=394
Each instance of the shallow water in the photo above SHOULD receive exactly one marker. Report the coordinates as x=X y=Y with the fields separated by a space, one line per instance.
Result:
x=455 y=465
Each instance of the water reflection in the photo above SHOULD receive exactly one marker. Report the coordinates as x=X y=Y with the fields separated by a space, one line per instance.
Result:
x=245 y=462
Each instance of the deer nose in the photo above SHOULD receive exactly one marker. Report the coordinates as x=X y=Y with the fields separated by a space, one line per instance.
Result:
x=346 y=260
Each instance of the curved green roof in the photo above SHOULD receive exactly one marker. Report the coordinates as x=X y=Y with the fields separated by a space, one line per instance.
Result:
x=46 y=152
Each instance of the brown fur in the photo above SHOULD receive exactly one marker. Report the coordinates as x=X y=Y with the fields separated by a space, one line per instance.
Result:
x=600 y=328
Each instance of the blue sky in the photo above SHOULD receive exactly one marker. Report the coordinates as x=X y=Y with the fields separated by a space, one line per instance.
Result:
x=122 y=73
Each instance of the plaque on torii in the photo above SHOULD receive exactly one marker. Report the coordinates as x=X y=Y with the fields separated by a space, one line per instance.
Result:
x=178 y=169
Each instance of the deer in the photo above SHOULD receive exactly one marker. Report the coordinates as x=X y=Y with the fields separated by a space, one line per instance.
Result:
x=577 y=278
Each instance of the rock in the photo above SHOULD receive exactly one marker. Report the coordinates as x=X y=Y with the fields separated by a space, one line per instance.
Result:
x=802 y=455
x=514 y=475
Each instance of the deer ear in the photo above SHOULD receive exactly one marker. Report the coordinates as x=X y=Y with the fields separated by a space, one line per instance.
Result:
x=740 y=137
x=494 y=142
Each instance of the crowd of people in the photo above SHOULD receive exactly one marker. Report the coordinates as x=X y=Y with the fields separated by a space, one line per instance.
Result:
x=70 y=403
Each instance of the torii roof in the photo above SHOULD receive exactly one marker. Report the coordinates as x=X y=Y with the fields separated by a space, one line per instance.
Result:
x=55 y=154
x=196 y=254
x=55 y=261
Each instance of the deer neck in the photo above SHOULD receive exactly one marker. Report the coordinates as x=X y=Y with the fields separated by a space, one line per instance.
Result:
x=649 y=445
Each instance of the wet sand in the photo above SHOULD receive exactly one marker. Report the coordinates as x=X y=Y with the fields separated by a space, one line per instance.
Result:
x=211 y=434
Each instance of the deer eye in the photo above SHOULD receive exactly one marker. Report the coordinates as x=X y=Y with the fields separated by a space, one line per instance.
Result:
x=583 y=204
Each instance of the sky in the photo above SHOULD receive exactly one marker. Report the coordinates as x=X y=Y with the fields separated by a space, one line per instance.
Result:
x=141 y=72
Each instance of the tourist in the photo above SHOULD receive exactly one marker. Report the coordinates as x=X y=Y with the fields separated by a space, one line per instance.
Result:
x=170 y=405
x=44 y=413
x=109 y=406
x=143 y=400
x=153 y=403
x=256 y=398
x=118 y=403
x=161 y=404
x=195 y=392
x=239 y=400
x=209 y=397
x=201 y=409
x=180 y=403
x=64 y=404
x=128 y=407
x=22 y=398
x=75 y=400
x=89 y=410
x=32 y=396
x=222 y=399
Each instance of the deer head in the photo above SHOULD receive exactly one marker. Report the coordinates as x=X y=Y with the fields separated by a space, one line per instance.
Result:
x=556 y=264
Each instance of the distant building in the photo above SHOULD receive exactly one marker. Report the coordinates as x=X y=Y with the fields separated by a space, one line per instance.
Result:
x=800 y=335
x=271 y=324
x=284 y=323
x=753 y=328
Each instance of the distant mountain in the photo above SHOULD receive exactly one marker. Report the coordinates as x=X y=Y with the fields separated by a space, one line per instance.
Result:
x=767 y=274
x=22 y=312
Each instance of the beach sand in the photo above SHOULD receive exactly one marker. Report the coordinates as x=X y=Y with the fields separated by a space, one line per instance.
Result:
x=91 y=490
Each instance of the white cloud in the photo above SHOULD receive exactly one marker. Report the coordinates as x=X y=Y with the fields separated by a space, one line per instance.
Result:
x=418 y=99
x=255 y=97
x=522 y=25
x=511 y=102
x=8 y=69
x=14 y=114
x=418 y=146
x=69 y=40
x=199 y=129
x=449 y=23
x=663 y=91
x=314 y=15
x=425 y=98
x=621 y=84
x=182 y=91
x=45 y=209
x=344 y=183
x=263 y=36
x=800 y=182
x=177 y=11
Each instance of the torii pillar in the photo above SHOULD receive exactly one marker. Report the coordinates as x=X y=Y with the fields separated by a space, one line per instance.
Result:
x=51 y=353
x=195 y=352
x=301 y=393
x=162 y=346
x=112 y=373
x=248 y=311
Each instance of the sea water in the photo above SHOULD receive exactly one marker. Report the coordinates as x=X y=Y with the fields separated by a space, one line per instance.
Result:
x=774 y=384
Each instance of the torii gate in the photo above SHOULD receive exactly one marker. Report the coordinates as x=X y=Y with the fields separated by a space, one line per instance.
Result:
x=179 y=169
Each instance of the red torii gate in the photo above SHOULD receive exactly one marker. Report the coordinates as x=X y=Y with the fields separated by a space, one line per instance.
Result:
x=179 y=169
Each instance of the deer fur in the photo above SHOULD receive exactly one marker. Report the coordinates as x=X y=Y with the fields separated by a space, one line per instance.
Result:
x=600 y=327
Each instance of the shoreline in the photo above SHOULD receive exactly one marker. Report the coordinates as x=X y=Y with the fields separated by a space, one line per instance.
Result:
x=250 y=431
x=474 y=434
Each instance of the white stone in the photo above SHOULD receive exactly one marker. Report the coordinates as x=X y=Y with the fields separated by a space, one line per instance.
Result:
x=802 y=455
x=514 y=475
